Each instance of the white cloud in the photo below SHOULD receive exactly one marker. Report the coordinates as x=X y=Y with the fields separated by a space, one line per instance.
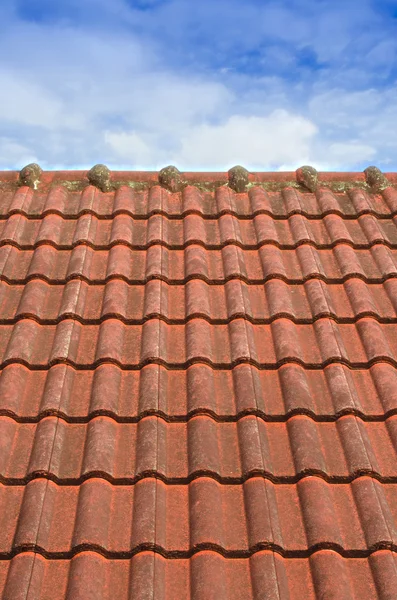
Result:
x=350 y=153
x=130 y=148
x=168 y=102
x=26 y=103
x=260 y=142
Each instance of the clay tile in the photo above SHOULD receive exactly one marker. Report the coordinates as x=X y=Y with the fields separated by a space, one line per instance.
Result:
x=171 y=179
x=99 y=176
x=30 y=175
x=308 y=177
x=238 y=178
x=375 y=179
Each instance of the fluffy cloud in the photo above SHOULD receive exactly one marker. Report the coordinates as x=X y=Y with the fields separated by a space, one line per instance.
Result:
x=26 y=103
x=260 y=142
x=131 y=149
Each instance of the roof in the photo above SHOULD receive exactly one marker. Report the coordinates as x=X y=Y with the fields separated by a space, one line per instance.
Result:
x=198 y=385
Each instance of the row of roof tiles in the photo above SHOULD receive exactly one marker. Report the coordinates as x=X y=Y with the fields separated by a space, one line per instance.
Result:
x=132 y=346
x=178 y=452
x=79 y=395
x=205 y=576
x=289 y=233
x=177 y=520
x=280 y=204
x=302 y=303
x=215 y=266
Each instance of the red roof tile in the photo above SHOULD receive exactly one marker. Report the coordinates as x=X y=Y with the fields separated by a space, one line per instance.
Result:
x=198 y=388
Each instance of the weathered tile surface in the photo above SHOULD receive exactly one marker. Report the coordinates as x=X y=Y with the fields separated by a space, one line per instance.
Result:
x=198 y=393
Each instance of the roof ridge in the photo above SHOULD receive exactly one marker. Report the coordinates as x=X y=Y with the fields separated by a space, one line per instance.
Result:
x=238 y=178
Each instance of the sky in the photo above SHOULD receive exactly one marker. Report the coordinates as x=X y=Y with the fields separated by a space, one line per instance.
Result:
x=202 y=85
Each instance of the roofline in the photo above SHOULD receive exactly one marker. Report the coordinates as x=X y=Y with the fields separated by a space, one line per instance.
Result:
x=198 y=176
x=238 y=178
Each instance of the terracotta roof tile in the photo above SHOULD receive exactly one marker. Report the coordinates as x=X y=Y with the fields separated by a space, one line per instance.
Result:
x=176 y=395
x=198 y=387
x=374 y=265
x=214 y=233
x=236 y=520
x=180 y=451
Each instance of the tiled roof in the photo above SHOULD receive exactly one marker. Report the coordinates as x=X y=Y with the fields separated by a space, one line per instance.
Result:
x=198 y=385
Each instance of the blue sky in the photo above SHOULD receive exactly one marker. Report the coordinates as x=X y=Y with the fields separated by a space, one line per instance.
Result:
x=139 y=84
